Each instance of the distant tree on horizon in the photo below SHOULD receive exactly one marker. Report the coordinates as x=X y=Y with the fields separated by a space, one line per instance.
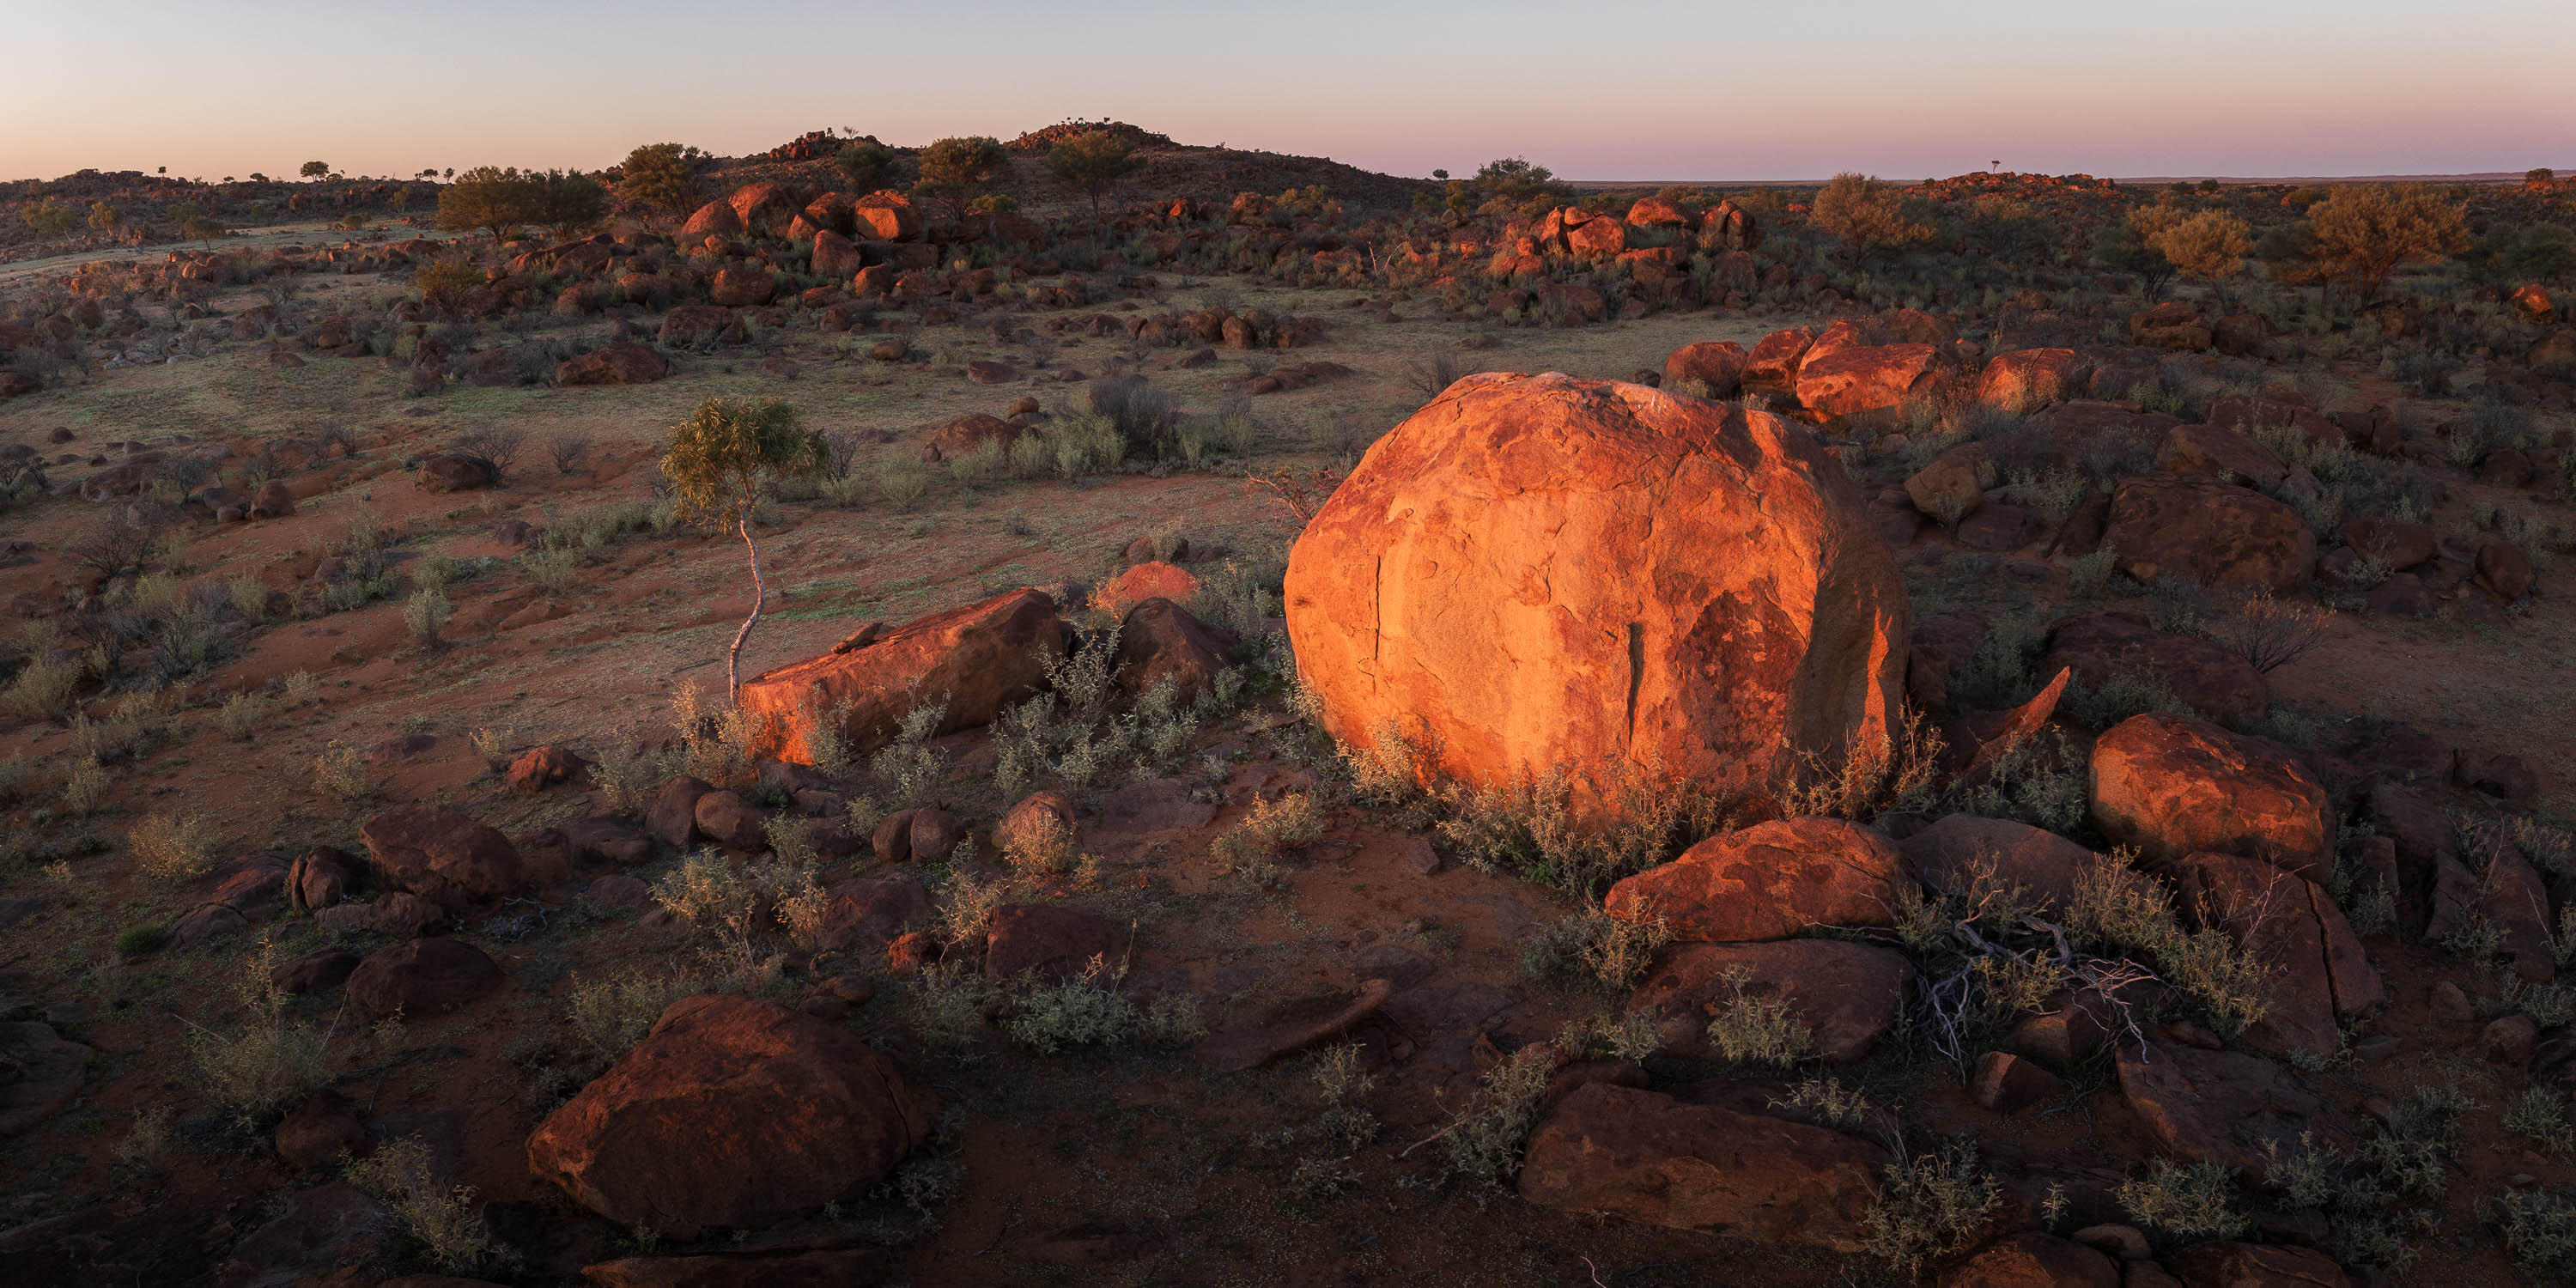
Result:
x=1093 y=163
x=661 y=180
x=314 y=169
x=958 y=168
x=1516 y=179
x=490 y=199
x=567 y=201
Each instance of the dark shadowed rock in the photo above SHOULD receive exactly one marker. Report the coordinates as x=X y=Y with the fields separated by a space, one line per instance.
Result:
x=427 y=848
x=2223 y=1106
x=1646 y=1157
x=1052 y=942
x=422 y=978
x=2031 y=1259
x=1960 y=850
x=732 y=1113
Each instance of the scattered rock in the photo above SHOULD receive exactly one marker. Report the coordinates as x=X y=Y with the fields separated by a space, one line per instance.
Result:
x=2215 y=533
x=1049 y=941
x=1770 y=881
x=422 y=978
x=2173 y=785
x=2247 y=1265
x=2223 y=1107
x=2031 y=1259
x=428 y=848
x=730 y=821
x=732 y=1113
x=672 y=817
x=2007 y=1083
x=2212 y=680
x=543 y=767
x=1846 y=995
x=983 y=656
x=1958 y=850
x=319 y=1131
x=1647 y=1157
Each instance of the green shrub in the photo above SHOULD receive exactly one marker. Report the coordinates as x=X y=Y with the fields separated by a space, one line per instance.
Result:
x=901 y=481
x=1757 y=1030
x=2187 y=1203
x=1929 y=1207
x=2539 y=1230
x=2540 y=1116
x=1483 y=1140
x=1086 y=443
x=259 y=1062
x=743 y=908
x=172 y=847
x=2118 y=910
x=988 y=462
x=446 y=1221
x=1606 y=953
x=611 y=1015
x=1828 y=1101
x=137 y=941
x=427 y=611
x=341 y=771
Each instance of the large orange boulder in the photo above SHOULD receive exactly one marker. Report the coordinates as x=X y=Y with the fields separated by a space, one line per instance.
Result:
x=1770 y=881
x=733 y=1113
x=2175 y=785
x=1540 y=573
x=981 y=657
x=765 y=207
x=1866 y=378
x=1715 y=366
x=886 y=216
x=835 y=255
x=714 y=219
x=2216 y=533
x=2026 y=380
x=1774 y=361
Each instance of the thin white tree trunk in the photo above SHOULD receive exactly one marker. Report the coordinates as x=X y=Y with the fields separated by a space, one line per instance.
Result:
x=759 y=597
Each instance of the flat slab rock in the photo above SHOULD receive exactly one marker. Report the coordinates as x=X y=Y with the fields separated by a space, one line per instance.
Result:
x=1290 y=1026
x=1647 y=1157
x=1848 y=995
x=2224 y=1106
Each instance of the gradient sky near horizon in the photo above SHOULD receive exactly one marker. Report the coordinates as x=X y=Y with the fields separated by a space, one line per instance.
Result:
x=1648 y=89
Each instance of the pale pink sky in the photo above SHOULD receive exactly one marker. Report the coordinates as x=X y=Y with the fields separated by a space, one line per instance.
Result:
x=1649 y=89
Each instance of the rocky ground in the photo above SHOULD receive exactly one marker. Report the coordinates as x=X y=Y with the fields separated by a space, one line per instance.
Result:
x=1830 y=788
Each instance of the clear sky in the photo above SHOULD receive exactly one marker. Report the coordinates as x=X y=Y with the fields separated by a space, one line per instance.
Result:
x=1643 y=89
